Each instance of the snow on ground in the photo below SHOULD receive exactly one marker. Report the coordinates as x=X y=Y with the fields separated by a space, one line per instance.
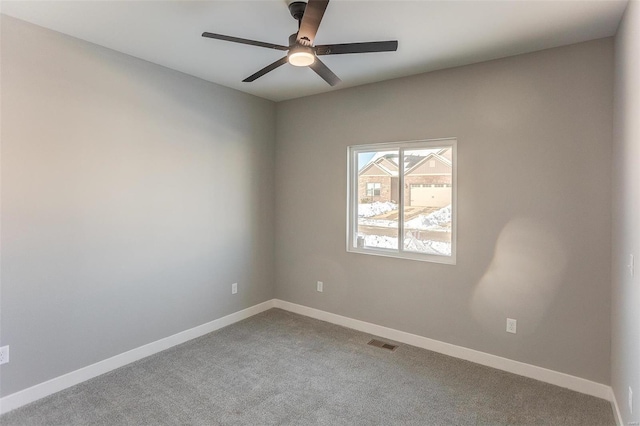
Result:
x=438 y=221
x=434 y=221
x=411 y=244
x=374 y=209
x=427 y=246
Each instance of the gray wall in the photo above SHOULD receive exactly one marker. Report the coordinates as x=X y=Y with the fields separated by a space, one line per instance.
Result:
x=625 y=318
x=534 y=197
x=132 y=197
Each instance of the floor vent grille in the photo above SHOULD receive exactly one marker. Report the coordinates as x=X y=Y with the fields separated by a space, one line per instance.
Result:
x=383 y=345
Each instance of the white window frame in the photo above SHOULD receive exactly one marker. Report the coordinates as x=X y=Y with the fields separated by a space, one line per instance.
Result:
x=352 y=199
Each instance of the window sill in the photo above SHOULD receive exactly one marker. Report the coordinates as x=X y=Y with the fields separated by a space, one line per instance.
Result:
x=433 y=258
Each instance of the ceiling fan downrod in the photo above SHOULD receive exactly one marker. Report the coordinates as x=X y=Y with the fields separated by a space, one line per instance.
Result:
x=296 y=8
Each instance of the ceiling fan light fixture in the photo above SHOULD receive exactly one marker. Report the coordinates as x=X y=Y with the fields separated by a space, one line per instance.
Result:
x=301 y=56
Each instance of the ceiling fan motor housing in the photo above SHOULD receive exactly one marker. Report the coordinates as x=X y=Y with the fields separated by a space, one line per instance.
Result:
x=293 y=40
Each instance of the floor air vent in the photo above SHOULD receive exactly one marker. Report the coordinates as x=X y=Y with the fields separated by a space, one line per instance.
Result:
x=383 y=345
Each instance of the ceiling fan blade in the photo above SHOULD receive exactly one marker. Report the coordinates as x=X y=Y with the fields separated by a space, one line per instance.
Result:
x=371 y=46
x=313 y=14
x=266 y=69
x=323 y=71
x=244 y=41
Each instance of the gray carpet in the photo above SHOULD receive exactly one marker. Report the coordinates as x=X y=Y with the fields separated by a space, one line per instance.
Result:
x=282 y=368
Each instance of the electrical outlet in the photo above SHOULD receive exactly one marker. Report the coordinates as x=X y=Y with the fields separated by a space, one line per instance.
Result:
x=234 y=288
x=511 y=325
x=4 y=354
x=630 y=400
x=631 y=265
x=320 y=286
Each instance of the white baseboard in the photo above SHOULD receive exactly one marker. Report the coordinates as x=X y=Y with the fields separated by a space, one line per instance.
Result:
x=516 y=367
x=616 y=408
x=57 y=384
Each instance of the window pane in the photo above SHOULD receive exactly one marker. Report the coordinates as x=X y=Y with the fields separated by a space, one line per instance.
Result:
x=427 y=201
x=377 y=199
x=424 y=194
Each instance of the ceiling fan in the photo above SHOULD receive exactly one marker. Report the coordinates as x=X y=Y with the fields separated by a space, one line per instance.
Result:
x=301 y=52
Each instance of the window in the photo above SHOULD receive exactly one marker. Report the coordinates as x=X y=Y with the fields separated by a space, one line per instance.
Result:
x=414 y=185
x=373 y=189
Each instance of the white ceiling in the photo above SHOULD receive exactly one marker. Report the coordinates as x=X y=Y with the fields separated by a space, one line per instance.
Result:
x=431 y=35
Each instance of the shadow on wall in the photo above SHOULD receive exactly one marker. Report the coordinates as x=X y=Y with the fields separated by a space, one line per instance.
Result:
x=521 y=281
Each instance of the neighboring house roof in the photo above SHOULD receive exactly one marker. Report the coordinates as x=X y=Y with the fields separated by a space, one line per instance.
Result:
x=436 y=157
x=446 y=153
x=387 y=163
x=376 y=169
